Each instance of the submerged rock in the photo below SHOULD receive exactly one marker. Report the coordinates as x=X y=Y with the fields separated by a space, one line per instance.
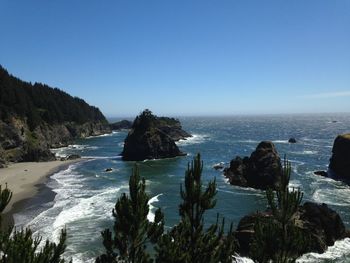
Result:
x=261 y=170
x=320 y=223
x=340 y=160
x=147 y=139
x=321 y=173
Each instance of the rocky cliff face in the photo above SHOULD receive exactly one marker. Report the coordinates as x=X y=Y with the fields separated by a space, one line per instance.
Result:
x=320 y=223
x=152 y=137
x=261 y=170
x=340 y=160
x=18 y=143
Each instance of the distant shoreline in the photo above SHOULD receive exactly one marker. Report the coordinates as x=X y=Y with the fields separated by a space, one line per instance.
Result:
x=26 y=180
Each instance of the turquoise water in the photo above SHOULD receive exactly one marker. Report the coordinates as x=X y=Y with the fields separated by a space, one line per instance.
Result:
x=85 y=194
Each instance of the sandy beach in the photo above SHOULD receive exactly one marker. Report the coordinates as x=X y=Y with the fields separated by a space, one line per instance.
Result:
x=24 y=179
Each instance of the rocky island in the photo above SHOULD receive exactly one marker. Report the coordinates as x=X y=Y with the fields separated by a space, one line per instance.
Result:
x=153 y=137
x=36 y=117
x=340 y=160
x=262 y=170
x=339 y=163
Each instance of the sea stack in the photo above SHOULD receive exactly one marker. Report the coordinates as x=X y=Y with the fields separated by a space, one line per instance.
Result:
x=340 y=160
x=262 y=170
x=322 y=225
x=153 y=137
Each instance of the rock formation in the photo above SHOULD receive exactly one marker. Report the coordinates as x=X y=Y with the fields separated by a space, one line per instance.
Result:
x=292 y=140
x=317 y=221
x=121 y=125
x=340 y=160
x=261 y=170
x=172 y=127
x=148 y=139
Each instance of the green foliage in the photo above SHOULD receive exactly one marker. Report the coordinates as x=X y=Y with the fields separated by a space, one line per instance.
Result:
x=22 y=247
x=132 y=230
x=189 y=241
x=38 y=103
x=145 y=121
x=277 y=238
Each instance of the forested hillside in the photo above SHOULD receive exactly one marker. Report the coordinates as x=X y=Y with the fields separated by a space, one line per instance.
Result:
x=36 y=117
x=40 y=103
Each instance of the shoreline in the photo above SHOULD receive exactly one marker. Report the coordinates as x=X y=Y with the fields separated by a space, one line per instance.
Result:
x=26 y=180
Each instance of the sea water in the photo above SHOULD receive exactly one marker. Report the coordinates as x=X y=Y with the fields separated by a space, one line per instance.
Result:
x=85 y=193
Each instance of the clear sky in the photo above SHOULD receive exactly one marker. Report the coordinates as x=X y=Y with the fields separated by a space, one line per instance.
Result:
x=183 y=57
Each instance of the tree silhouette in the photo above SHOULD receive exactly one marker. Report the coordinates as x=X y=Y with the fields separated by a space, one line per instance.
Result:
x=189 y=241
x=132 y=230
x=22 y=247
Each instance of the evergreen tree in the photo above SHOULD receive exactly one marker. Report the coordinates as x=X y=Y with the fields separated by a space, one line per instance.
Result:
x=189 y=242
x=132 y=230
x=22 y=247
x=277 y=238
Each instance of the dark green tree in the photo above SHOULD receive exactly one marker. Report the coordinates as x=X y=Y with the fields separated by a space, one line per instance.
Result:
x=277 y=237
x=189 y=241
x=22 y=247
x=132 y=230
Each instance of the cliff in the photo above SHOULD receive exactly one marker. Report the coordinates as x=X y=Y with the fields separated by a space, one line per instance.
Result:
x=153 y=137
x=36 y=117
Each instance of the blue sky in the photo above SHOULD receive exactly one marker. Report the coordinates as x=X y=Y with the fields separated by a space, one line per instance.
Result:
x=184 y=57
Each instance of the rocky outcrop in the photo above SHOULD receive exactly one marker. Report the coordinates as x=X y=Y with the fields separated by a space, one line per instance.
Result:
x=121 y=125
x=322 y=225
x=292 y=140
x=19 y=144
x=261 y=170
x=321 y=173
x=148 y=140
x=340 y=160
x=173 y=128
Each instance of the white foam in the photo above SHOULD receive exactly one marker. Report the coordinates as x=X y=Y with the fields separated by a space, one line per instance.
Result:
x=306 y=152
x=280 y=141
x=294 y=184
x=102 y=135
x=336 y=197
x=73 y=202
x=239 y=259
x=151 y=213
x=249 y=141
x=64 y=151
x=195 y=139
x=340 y=252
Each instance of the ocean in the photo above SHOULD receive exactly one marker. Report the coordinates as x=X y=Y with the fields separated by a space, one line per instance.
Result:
x=85 y=194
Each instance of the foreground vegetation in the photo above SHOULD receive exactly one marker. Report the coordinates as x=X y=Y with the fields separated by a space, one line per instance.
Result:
x=134 y=239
